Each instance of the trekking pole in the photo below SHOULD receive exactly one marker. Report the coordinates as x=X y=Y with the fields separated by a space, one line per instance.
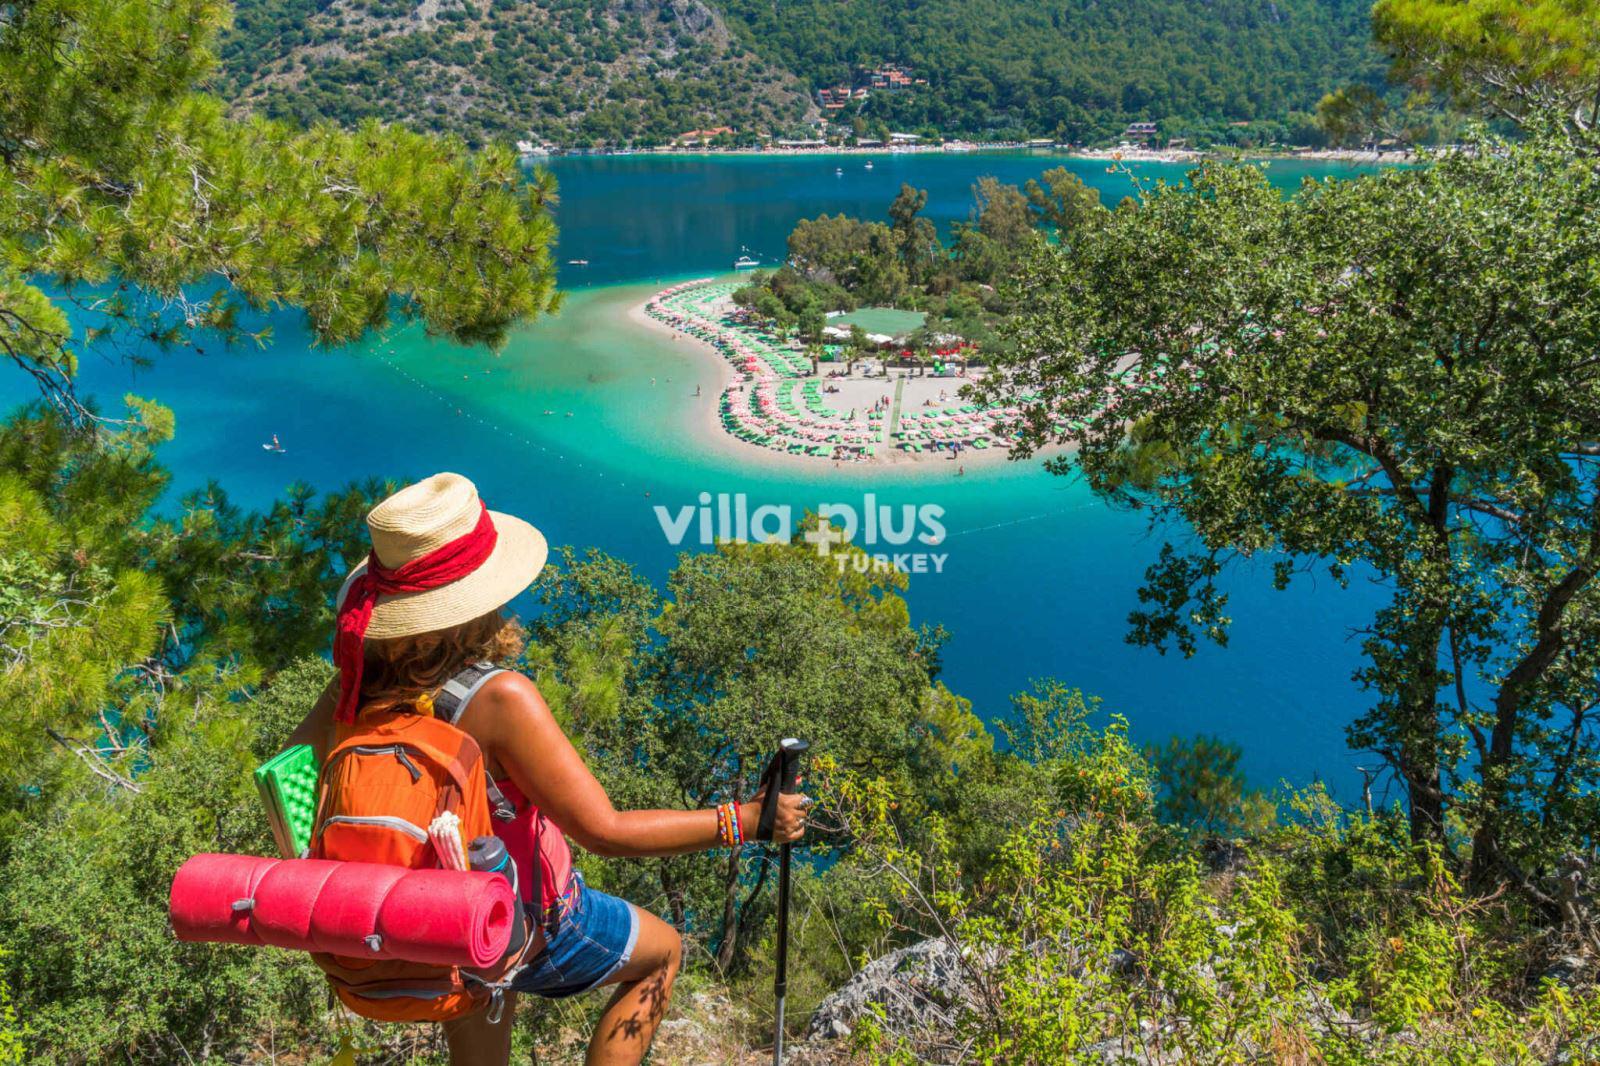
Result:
x=782 y=776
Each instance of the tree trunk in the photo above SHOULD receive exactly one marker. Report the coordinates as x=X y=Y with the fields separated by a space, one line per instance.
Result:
x=1419 y=709
x=674 y=893
x=1549 y=637
x=1419 y=748
x=730 y=913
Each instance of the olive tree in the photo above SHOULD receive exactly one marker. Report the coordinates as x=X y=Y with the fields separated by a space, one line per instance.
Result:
x=1394 y=378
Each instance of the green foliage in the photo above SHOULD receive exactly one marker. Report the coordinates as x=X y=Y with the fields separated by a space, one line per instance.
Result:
x=578 y=73
x=130 y=194
x=11 y=1031
x=1203 y=789
x=839 y=263
x=1076 y=70
x=679 y=701
x=1513 y=59
x=1092 y=933
x=863 y=258
x=1358 y=379
x=84 y=887
x=1063 y=202
x=1066 y=933
x=129 y=736
x=616 y=73
x=1352 y=116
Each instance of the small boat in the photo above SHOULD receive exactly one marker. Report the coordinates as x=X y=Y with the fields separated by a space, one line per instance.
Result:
x=578 y=262
x=746 y=261
x=869 y=164
x=273 y=445
x=838 y=170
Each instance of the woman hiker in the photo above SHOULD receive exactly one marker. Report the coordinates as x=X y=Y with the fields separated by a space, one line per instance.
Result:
x=427 y=605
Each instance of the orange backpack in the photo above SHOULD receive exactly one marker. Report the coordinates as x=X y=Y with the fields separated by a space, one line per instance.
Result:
x=387 y=777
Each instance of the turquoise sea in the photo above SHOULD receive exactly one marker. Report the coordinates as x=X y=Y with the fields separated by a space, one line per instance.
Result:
x=1039 y=577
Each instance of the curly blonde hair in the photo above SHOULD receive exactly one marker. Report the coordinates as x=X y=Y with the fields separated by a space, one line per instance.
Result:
x=400 y=670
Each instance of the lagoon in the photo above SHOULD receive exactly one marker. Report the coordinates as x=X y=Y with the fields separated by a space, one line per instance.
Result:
x=1039 y=577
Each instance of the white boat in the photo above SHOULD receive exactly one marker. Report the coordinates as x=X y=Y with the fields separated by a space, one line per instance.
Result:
x=578 y=262
x=746 y=262
x=273 y=445
x=869 y=164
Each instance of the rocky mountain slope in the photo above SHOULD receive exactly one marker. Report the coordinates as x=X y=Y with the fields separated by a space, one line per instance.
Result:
x=644 y=71
x=603 y=71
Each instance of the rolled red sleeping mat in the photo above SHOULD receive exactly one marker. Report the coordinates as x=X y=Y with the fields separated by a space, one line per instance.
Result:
x=357 y=909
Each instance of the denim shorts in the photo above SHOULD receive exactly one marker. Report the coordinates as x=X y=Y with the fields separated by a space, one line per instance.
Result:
x=594 y=940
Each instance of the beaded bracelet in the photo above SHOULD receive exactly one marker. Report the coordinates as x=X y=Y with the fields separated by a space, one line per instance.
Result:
x=729 y=832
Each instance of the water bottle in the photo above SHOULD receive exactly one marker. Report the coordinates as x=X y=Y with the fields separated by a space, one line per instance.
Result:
x=489 y=855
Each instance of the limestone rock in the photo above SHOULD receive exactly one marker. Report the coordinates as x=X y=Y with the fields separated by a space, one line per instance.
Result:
x=921 y=988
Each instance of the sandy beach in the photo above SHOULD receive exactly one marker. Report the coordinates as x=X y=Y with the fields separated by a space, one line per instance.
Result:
x=856 y=393
x=1120 y=153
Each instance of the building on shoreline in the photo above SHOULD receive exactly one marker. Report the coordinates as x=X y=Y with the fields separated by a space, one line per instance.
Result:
x=1140 y=133
x=700 y=138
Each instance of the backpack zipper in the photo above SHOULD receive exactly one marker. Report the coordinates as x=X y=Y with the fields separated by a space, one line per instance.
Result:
x=382 y=821
x=397 y=750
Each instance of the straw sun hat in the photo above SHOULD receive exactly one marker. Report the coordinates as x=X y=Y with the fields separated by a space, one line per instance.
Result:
x=419 y=519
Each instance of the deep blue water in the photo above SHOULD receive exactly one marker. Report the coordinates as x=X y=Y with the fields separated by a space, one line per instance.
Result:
x=1040 y=576
x=639 y=217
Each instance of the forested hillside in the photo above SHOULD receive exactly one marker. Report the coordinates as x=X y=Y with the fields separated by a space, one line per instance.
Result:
x=1073 y=67
x=573 y=71
x=646 y=70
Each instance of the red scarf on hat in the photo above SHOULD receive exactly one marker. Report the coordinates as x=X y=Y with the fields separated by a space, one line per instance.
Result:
x=446 y=563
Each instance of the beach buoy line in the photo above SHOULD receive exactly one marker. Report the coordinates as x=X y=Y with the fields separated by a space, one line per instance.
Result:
x=1020 y=521
x=486 y=423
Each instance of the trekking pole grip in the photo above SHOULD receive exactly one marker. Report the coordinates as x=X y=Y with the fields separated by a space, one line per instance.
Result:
x=790 y=750
x=781 y=777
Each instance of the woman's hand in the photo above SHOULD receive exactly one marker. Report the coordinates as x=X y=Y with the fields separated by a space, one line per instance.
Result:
x=789 y=824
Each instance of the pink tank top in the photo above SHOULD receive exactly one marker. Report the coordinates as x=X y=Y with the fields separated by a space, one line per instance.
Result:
x=530 y=837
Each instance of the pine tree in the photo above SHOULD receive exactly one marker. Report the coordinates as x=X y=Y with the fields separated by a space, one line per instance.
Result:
x=135 y=214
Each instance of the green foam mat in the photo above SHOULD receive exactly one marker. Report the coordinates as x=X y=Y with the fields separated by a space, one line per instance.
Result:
x=288 y=784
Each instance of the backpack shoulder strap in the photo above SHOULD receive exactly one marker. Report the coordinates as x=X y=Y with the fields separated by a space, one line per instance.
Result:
x=456 y=693
x=448 y=706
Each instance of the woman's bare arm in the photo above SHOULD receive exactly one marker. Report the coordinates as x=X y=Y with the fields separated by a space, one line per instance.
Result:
x=510 y=719
x=316 y=728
